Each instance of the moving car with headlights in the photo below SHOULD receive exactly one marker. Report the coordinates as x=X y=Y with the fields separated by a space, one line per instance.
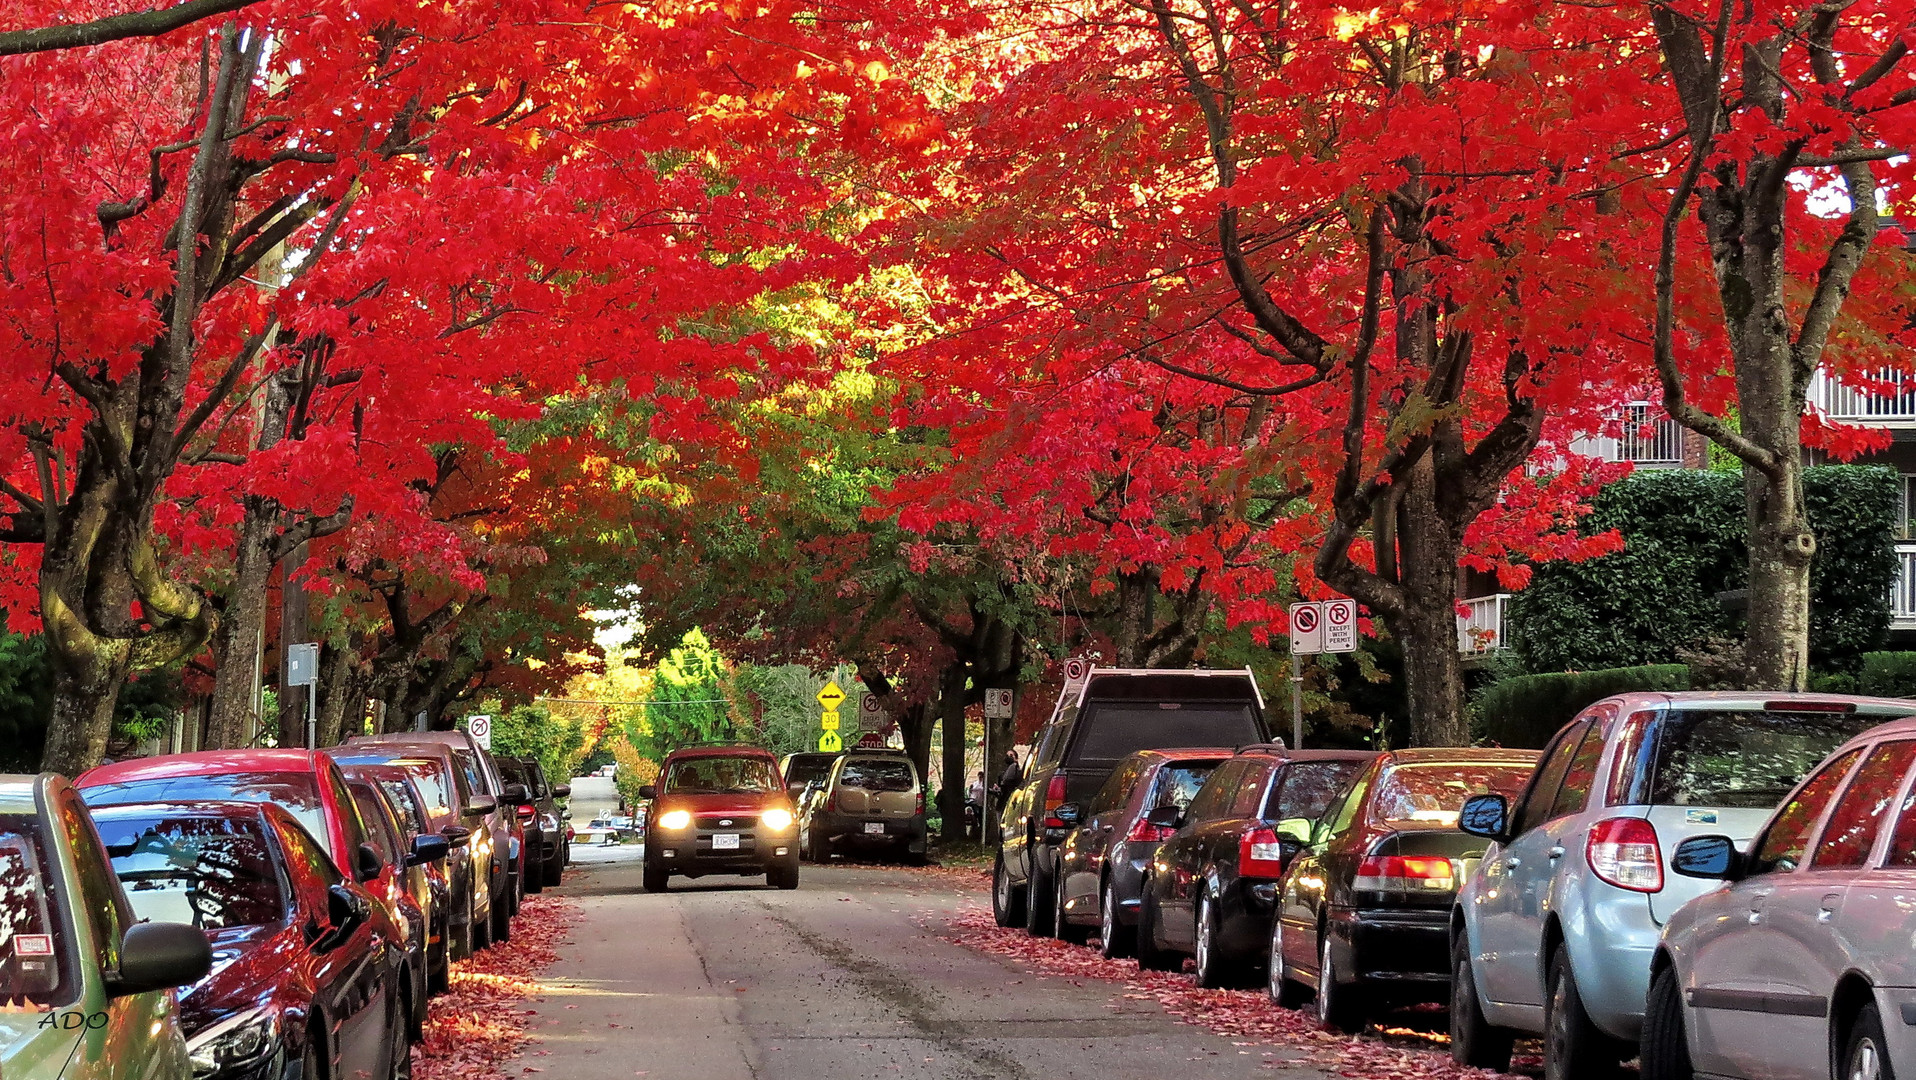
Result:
x=1802 y=967
x=1213 y=883
x=1103 y=859
x=483 y=806
x=719 y=810
x=1363 y=913
x=1557 y=928
x=1093 y=727
x=870 y=800
x=309 y=969
x=72 y=949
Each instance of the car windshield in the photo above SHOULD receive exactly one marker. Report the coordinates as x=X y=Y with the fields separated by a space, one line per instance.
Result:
x=1433 y=794
x=36 y=955
x=1308 y=788
x=1113 y=730
x=1747 y=759
x=296 y=793
x=1179 y=782
x=405 y=801
x=877 y=774
x=210 y=872
x=721 y=776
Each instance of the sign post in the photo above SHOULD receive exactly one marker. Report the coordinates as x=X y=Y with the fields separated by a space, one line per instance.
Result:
x=829 y=699
x=480 y=728
x=302 y=669
x=1307 y=639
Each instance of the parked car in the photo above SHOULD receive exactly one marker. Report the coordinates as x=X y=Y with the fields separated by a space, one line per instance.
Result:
x=1802 y=967
x=720 y=810
x=310 y=971
x=1557 y=929
x=803 y=768
x=405 y=889
x=1212 y=886
x=473 y=871
x=488 y=811
x=552 y=822
x=306 y=783
x=415 y=821
x=74 y=949
x=545 y=843
x=1092 y=729
x=1102 y=861
x=1363 y=913
x=870 y=800
x=597 y=831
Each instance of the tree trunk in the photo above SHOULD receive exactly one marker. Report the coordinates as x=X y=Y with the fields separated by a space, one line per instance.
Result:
x=1428 y=550
x=914 y=723
x=1137 y=616
x=340 y=696
x=86 y=690
x=951 y=714
x=237 y=643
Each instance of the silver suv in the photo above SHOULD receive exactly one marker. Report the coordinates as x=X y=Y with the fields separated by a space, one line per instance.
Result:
x=1554 y=933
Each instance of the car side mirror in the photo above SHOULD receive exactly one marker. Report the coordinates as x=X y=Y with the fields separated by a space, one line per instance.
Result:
x=158 y=956
x=517 y=794
x=1069 y=813
x=1295 y=830
x=1713 y=857
x=346 y=911
x=456 y=835
x=1167 y=816
x=1487 y=816
x=561 y=791
x=428 y=849
x=648 y=792
x=481 y=805
x=367 y=864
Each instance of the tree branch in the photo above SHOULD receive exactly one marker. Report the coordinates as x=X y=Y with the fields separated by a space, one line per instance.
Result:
x=115 y=27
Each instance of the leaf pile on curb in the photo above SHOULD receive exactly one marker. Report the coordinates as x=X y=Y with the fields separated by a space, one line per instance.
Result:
x=479 y=1024
x=1242 y=1015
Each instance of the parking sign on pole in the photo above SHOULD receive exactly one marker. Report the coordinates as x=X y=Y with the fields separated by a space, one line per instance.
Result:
x=1307 y=628
x=1340 y=625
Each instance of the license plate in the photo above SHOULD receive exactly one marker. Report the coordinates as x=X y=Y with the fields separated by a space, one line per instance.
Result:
x=725 y=841
x=876 y=828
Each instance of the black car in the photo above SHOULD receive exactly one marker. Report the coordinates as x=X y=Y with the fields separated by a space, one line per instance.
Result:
x=309 y=969
x=547 y=850
x=415 y=821
x=1095 y=726
x=1211 y=886
x=1363 y=915
x=407 y=891
x=1103 y=859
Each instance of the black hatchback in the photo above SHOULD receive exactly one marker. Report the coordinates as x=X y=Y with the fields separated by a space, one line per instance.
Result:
x=1212 y=885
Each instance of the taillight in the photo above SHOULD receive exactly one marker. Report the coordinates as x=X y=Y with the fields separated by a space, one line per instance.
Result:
x=1143 y=832
x=525 y=813
x=921 y=800
x=1624 y=852
x=1054 y=798
x=1405 y=875
x=831 y=801
x=1260 y=855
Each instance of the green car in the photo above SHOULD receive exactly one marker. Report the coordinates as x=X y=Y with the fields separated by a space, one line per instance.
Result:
x=86 y=993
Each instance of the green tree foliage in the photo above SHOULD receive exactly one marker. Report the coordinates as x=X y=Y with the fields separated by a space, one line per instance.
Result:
x=532 y=731
x=785 y=700
x=1525 y=710
x=26 y=699
x=1683 y=544
x=687 y=702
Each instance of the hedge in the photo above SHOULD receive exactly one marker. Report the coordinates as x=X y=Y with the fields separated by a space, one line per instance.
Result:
x=1683 y=535
x=1525 y=710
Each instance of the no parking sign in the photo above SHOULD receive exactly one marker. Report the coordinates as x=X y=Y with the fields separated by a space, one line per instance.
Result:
x=480 y=728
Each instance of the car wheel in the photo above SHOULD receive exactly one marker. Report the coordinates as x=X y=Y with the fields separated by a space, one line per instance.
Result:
x=783 y=876
x=1007 y=901
x=439 y=964
x=1041 y=908
x=1284 y=990
x=1665 y=1051
x=1573 y=1048
x=501 y=922
x=1115 y=940
x=1473 y=1041
x=1340 y=1005
x=398 y=1048
x=1211 y=974
x=312 y=1058
x=1068 y=932
x=555 y=870
x=822 y=850
x=481 y=930
x=1150 y=956
x=656 y=879
x=1867 y=1057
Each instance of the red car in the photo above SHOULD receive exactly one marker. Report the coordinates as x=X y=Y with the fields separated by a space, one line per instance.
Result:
x=720 y=810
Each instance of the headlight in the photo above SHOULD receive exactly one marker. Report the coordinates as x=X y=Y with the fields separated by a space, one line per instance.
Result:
x=776 y=819
x=675 y=819
x=237 y=1039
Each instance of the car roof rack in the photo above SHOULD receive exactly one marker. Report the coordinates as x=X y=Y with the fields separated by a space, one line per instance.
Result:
x=1275 y=746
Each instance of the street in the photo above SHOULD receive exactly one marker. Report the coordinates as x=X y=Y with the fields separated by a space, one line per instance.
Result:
x=850 y=976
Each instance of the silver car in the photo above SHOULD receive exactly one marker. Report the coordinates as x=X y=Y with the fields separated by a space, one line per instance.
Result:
x=1805 y=966
x=1554 y=932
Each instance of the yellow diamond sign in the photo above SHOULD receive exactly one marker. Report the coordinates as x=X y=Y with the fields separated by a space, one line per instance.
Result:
x=831 y=697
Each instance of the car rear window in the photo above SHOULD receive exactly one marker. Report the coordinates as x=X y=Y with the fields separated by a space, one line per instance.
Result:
x=1743 y=758
x=805 y=768
x=1111 y=730
x=36 y=951
x=1433 y=794
x=297 y=793
x=210 y=872
x=1308 y=789
x=876 y=774
x=1178 y=783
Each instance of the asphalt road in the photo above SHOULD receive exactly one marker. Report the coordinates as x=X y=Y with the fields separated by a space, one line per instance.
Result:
x=850 y=976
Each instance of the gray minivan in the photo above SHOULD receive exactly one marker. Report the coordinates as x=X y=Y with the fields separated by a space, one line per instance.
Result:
x=1554 y=932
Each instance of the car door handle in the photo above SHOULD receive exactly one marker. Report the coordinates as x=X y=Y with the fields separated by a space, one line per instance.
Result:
x=1828 y=909
x=1512 y=863
x=1555 y=853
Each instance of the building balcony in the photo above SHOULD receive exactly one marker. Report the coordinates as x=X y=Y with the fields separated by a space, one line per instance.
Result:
x=1902 y=595
x=1888 y=399
x=1645 y=437
x=1480 y=629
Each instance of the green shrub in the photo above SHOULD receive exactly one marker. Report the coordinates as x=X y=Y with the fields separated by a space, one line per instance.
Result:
x=1683 y=535
x=1888 y=674
x=1525 y=710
